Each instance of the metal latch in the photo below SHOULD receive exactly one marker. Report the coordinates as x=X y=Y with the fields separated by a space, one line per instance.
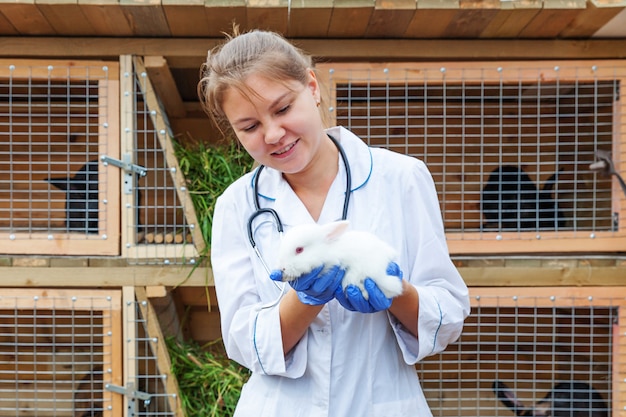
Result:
x=125 y=164
x=131 y=171
x=130 y=392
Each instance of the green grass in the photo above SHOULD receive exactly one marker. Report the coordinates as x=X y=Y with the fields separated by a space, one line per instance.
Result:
x=209 y=383
x=208 y=170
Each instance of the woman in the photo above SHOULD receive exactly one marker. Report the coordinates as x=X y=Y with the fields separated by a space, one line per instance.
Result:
x=315 y=350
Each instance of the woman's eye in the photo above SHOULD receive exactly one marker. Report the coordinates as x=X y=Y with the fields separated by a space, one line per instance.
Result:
x=283 y=109
x=249 y=128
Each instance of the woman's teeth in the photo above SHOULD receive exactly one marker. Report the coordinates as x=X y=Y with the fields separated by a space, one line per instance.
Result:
x=286 y=149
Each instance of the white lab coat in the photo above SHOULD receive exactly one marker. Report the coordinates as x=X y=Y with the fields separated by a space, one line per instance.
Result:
x=348 y=364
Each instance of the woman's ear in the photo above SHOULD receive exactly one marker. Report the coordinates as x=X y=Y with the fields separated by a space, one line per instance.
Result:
x=314 y=86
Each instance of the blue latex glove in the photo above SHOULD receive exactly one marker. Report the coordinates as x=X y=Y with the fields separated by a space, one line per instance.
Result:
x=353 y=299
x=316 y=287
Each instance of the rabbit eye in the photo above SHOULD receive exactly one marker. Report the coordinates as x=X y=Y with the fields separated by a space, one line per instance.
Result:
x=299 y=249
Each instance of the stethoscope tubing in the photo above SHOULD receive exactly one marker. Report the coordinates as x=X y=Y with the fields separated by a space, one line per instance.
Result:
x=279 y=224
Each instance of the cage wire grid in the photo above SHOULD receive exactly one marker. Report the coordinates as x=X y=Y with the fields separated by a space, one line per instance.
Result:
x=161 y=227
x=530 y=344
x=56 y=352
x=145 y=374
x=51 y=120
x=509 y=147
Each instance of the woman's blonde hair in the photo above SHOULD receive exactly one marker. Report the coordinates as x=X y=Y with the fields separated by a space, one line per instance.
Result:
x=257 y=52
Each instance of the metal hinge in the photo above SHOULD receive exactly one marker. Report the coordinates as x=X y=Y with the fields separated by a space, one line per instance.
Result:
x=130 y=392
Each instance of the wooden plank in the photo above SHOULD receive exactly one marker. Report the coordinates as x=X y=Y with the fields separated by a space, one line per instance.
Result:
x=221 y=15
x=65 y=17
x=541 y=276
x=186 y=17
x=511 y=19
x=129 y=349
x=309 y=18
x=6 y=28
x=159 y=347
x=593 y=18
x=191 y=51
x=390 y=18
x=349 y=18
x=613 y=28
x=146 y=17
x=471 y=19
x=431 y=18
x=126 y=142
x=553 y=18
x=550 y=296
x=204 y=326
x=83 y=277
x=165 y=139
x=109 y=129
x=106 y=17
x=114 y=374
x=268 y=14
x=165 y=86
x=26 y=18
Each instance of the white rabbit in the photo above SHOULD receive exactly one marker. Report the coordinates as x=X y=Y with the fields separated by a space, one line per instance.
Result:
x=361 y=254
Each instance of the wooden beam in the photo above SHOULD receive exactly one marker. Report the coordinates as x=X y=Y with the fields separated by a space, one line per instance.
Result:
x=104 y=277
x=165 y=86
x=308 y=16
x=190 y=51
x=594 y=17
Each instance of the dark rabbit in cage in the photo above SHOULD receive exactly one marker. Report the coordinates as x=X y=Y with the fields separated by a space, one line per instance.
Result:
x=566 y=399
x=511 y=201
x=81 y=203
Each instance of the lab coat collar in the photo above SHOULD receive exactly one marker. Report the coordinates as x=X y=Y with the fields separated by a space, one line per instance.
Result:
x=274 y=190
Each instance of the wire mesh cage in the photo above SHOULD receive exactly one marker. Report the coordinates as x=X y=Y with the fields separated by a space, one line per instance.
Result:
x=148 y=371
x=513 y=148
x=555 y=352
x=56 y=118
x=57 y=351
x=159 y=217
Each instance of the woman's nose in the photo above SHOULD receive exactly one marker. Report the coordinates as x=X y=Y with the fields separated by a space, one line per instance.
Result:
x=274 y=132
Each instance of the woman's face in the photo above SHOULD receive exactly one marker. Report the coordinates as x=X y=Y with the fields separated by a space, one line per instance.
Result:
x=277 y=123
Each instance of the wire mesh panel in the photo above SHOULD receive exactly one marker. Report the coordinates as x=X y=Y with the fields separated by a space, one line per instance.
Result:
x=147 y=362
x=161 y=225
x=56 y=119
x=560 y=353
x=58 y=349
x=520 y=152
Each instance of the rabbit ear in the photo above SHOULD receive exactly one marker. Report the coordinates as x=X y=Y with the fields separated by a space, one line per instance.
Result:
x=506 y=396
x=335 y=229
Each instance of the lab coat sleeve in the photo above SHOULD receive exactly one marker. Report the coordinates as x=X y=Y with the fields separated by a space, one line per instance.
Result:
x=249 y=314
x=443 y=295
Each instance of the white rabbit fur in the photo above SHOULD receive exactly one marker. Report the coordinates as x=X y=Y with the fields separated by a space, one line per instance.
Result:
x=362 y=255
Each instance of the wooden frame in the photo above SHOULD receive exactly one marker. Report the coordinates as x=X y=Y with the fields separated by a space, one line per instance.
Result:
x=106 y=242
x=38 y=303
x=130 y=67
x=540 y=316
x=484 y=242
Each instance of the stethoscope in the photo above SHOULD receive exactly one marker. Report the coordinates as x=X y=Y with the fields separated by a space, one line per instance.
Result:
x=279 y=224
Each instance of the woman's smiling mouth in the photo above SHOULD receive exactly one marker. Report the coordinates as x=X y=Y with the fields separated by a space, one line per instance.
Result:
x=285 y=149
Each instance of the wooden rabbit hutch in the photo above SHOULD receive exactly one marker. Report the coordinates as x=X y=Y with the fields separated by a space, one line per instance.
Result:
x=515 y=106
x=548 y=123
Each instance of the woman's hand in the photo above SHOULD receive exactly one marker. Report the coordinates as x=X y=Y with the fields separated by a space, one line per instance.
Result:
x=316 y=287
x=352 y=298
